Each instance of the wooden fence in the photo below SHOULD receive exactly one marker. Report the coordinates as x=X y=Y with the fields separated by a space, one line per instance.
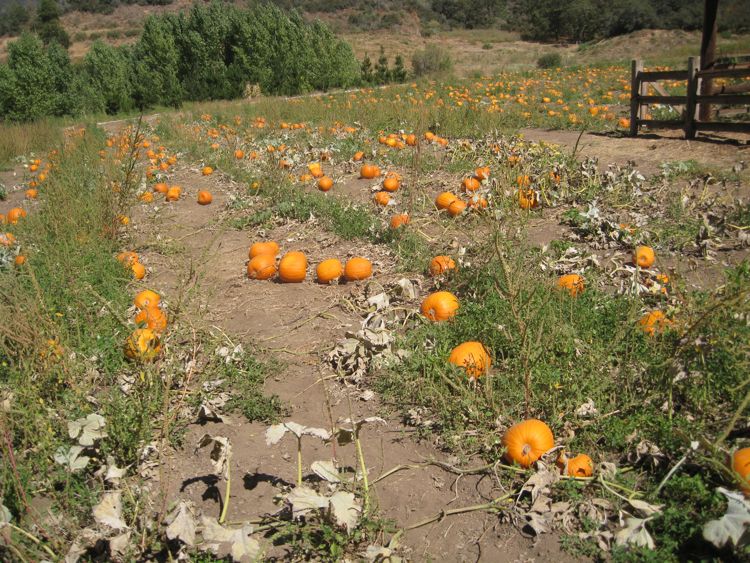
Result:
x=731 y=95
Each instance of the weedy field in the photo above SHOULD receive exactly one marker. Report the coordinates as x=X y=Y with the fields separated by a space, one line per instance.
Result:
x=430 y=321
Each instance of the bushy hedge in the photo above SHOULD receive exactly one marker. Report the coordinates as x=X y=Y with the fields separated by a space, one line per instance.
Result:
x=210 y=52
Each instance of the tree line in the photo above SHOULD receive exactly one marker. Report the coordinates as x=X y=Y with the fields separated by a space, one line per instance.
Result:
x=210 y=52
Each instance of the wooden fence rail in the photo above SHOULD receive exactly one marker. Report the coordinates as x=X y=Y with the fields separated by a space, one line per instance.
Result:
x=733 y=94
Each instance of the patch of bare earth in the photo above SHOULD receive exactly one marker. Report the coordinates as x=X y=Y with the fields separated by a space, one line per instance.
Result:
x=194 y=258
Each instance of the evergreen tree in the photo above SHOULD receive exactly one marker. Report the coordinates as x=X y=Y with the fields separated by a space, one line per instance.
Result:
x=13 y=18
x=398 y=74
x=48 y=24
x=366 y=70
x=382 y=73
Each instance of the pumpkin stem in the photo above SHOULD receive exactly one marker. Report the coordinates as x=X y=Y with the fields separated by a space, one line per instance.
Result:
x=526 y=450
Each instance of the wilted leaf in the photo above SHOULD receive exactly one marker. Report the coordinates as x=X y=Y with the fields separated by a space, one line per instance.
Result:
x=220 y=452
x=345 y=509
x=71 y=458
x=118 y=545
x=275 y=433
x=88 y=429
x=181 y=524
x=304 y=499
x=241 y=546
x=539 y=482
x=645 y=508
x=635 y=533
x=587 y=409
x=5 y=515
x=114 y=473
x=109 y=511
x=326 y=470
x=733 y=525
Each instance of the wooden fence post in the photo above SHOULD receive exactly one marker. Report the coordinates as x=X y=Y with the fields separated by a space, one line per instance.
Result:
x=636 y=67
x=692 y=93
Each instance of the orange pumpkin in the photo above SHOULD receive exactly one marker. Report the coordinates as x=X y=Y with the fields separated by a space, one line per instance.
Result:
x=142 y=345
x=644 y=256
x=161 y=188
x=139 y=270
x=482 y=173
x=329 y=270
x=293 y=267
x=440 y=306
x=411 y=140
x=441 y=264
x=239 y=154
x=19 y=260
x=146 y=197
x=325 y=184
x=127 y=258
x=204 y=197
x=444 y=200
x=471 y=184
x=457 y=207
x=578 y=466
x=258 y=248
x=527 y=199
x=173 y=193
x=359 y=155
x=478 y=202
x=152 y=317
x=31 y=193
x=572 y=282
x=262 y=267
x=369 y=171
x=473 y=357
x=315 y=169
x=741 y=466
x=146 y=298
x=382 y=198
x=525 y=442
x=357 y=268
x=207 y=171
x=14 y=215
x=399 y=220
x=654 y=322
x=391 y=184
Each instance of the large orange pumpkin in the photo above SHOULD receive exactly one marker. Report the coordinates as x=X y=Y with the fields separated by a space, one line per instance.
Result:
x=161 y=188
x=139 y=270
x=152 y=317
x=205 y=197
x=444 y=200
x=293 y=267
x=325 y=183
x=268 y=247
x=14 y=215
x=146 y=298
x=440 y=306
x=173 y=193
x=473 y=357
x=357 y=268
x=527 y=441
x=127 y=258
x=261 y=267
x=329 y=270
x=457 y=207
x=391 y=184
x=369 y=171
x=441 y=264
x=741 y=466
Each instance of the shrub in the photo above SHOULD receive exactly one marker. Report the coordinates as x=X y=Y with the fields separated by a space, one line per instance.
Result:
x=432 y=59
x=549 y=60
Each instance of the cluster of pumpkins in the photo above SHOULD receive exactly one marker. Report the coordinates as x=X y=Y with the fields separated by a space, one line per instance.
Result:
x=173 y=193
x=292 y=268
x=144 y=342
x=131 y=261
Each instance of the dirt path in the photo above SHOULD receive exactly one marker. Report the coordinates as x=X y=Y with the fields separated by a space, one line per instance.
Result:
x=188 y=252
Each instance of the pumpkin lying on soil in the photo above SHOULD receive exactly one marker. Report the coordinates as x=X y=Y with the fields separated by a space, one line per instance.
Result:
x=525 y=442
x=644 y=256
x=369 y=171
x=329 y=270
x=357 y=268
x=741 y=466
x=441 y=264
x=293 y=267
x=399 y=220
x=152 y=317
x=440 y=306
x=268 y=247
x=444 y=200
x=205 y=197
x=578 y=466
x=261 y=267
x=146 y=298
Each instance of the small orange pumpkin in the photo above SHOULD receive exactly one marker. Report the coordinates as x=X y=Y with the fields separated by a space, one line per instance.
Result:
x=19 y=260
x=525 y=442
x=444 y=200
x=441 y=264
x=161 y=188
x=146 y=197
x=329 y=270
x=572 y=282
x=411 y=140
x=146 y=298
x=268 y=247
x=741 y=466
x=142 y=345
x=152 y=317
x=357 y=268
x=31 y=193
x=173 y=193
x=391 y=184
x=471 y=184
x=7 y=239
x=440 y=306
x=14 y=215
x=293 y=267
x=473 y=357
x=127 y=258
x=205 y=197
x=359 y=155
x=399 y=220
x=482 y=173
x=139 y=270
x=578 y=466
x=262 y=267
x=456 y=208
x=239 y=154
x=369 y=171
x=654 y=322
x=527 y=199
x=325 y=184
x=207 y=171
x=382 y=198
x=644 y=256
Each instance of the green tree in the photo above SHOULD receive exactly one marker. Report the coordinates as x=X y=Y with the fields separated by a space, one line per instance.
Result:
x=106 y=70
x=13 y=18
x=31 y=93
x=155 y=61
x=366 y=70
x=382 y=72
x=398 y=74
x=48 y=24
